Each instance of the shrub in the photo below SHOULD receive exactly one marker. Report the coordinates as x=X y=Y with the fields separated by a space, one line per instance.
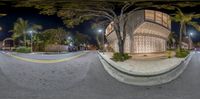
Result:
x=169 y=54
x=23 y=49
x=120 y=57
x=181 y=53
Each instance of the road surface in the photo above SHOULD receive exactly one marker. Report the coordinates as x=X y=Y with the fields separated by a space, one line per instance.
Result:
x=85 y=78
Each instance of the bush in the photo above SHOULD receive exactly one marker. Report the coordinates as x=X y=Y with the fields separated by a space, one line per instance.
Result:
x=169 y=54
x=120 y=57
x=181 y=53
x=23 y=49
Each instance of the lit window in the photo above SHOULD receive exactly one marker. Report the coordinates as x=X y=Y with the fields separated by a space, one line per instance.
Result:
x=165 y=20
x=158 y=17
x=149 y=14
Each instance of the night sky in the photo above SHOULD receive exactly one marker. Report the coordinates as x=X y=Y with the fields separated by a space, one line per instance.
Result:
x=33 y=17
x=47 y=22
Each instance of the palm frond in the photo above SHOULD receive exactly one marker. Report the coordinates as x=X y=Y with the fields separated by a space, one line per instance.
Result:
x=195 y=25
x=196 y=16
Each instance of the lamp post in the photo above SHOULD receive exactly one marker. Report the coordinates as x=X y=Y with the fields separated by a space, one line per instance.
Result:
x=31 y=33
x=190 y=40
x=69 y=40
x=102 y=34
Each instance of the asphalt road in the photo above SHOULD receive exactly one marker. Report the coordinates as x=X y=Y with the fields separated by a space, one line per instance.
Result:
x=85 y=78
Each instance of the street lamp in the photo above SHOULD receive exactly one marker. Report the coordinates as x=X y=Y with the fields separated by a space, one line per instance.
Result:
x=69 y=38
x=31 y=32
x=190 y=40
x=191 y=34
x=100 y=30
x=102 y=34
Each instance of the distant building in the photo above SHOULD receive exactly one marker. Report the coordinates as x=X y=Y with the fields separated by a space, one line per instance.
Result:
x=8 y=44
x=1 y=45
x=187 y=43
x=148 y=31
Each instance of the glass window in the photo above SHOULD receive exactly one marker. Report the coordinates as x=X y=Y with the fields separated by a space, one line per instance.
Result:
x=149 y=14
x=158 y=17
x=165 y=20
x=169 y=22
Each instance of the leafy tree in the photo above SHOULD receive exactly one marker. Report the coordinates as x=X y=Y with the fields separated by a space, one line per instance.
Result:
x=81 y=38
x=172 y=40
x=20 y=28
x=184 y=19
x=198 y=44
x=2 y=14
x=54 y=36
x=49 y=35
x=36 y=27
x=116 y=11
x=75 y=12
x=38 y=42
x=98 y=41
x=60 y=35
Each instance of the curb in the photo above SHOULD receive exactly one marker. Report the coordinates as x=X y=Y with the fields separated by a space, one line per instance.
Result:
x=145 y=80
x=46 y=61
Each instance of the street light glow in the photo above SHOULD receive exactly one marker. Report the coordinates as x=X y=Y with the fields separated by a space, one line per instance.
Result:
x=100 y=30
x=69 y=38
x=30 y=31
x=191 y=34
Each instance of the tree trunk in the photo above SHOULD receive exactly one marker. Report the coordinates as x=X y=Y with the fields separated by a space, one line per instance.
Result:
x=121 y=46
x=180 y=36
x=24 y=39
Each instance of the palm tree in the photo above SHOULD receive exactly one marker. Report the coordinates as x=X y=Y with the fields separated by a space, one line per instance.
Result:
x=20 y=28
x=2 y=14
x=36 y=27
x=184 y=20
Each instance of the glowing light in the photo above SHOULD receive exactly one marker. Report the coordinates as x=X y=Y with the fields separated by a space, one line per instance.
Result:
x=100 y=30
x=30 y=31
x=69 y=38
x=191 y=33
x=106 y=45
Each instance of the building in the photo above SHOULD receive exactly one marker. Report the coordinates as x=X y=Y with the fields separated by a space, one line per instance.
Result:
x=148 y=31
x=1 y=45
x=8 y=44
x=187 y=43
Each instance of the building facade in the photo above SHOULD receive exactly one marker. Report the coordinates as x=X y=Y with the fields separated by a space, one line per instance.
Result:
x=1 y=45
x=148 y=31
x=8 y=44
x=187 y=43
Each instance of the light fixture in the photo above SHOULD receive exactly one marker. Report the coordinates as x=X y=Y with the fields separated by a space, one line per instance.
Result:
x=191 y=33
x=100 y=30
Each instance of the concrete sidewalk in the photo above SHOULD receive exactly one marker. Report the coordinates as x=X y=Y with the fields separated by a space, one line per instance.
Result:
x=145 y=67
x=145 y=73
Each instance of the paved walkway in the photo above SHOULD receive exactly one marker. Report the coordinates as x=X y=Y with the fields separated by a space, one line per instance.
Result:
x=85 y=78
x=145 y=67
